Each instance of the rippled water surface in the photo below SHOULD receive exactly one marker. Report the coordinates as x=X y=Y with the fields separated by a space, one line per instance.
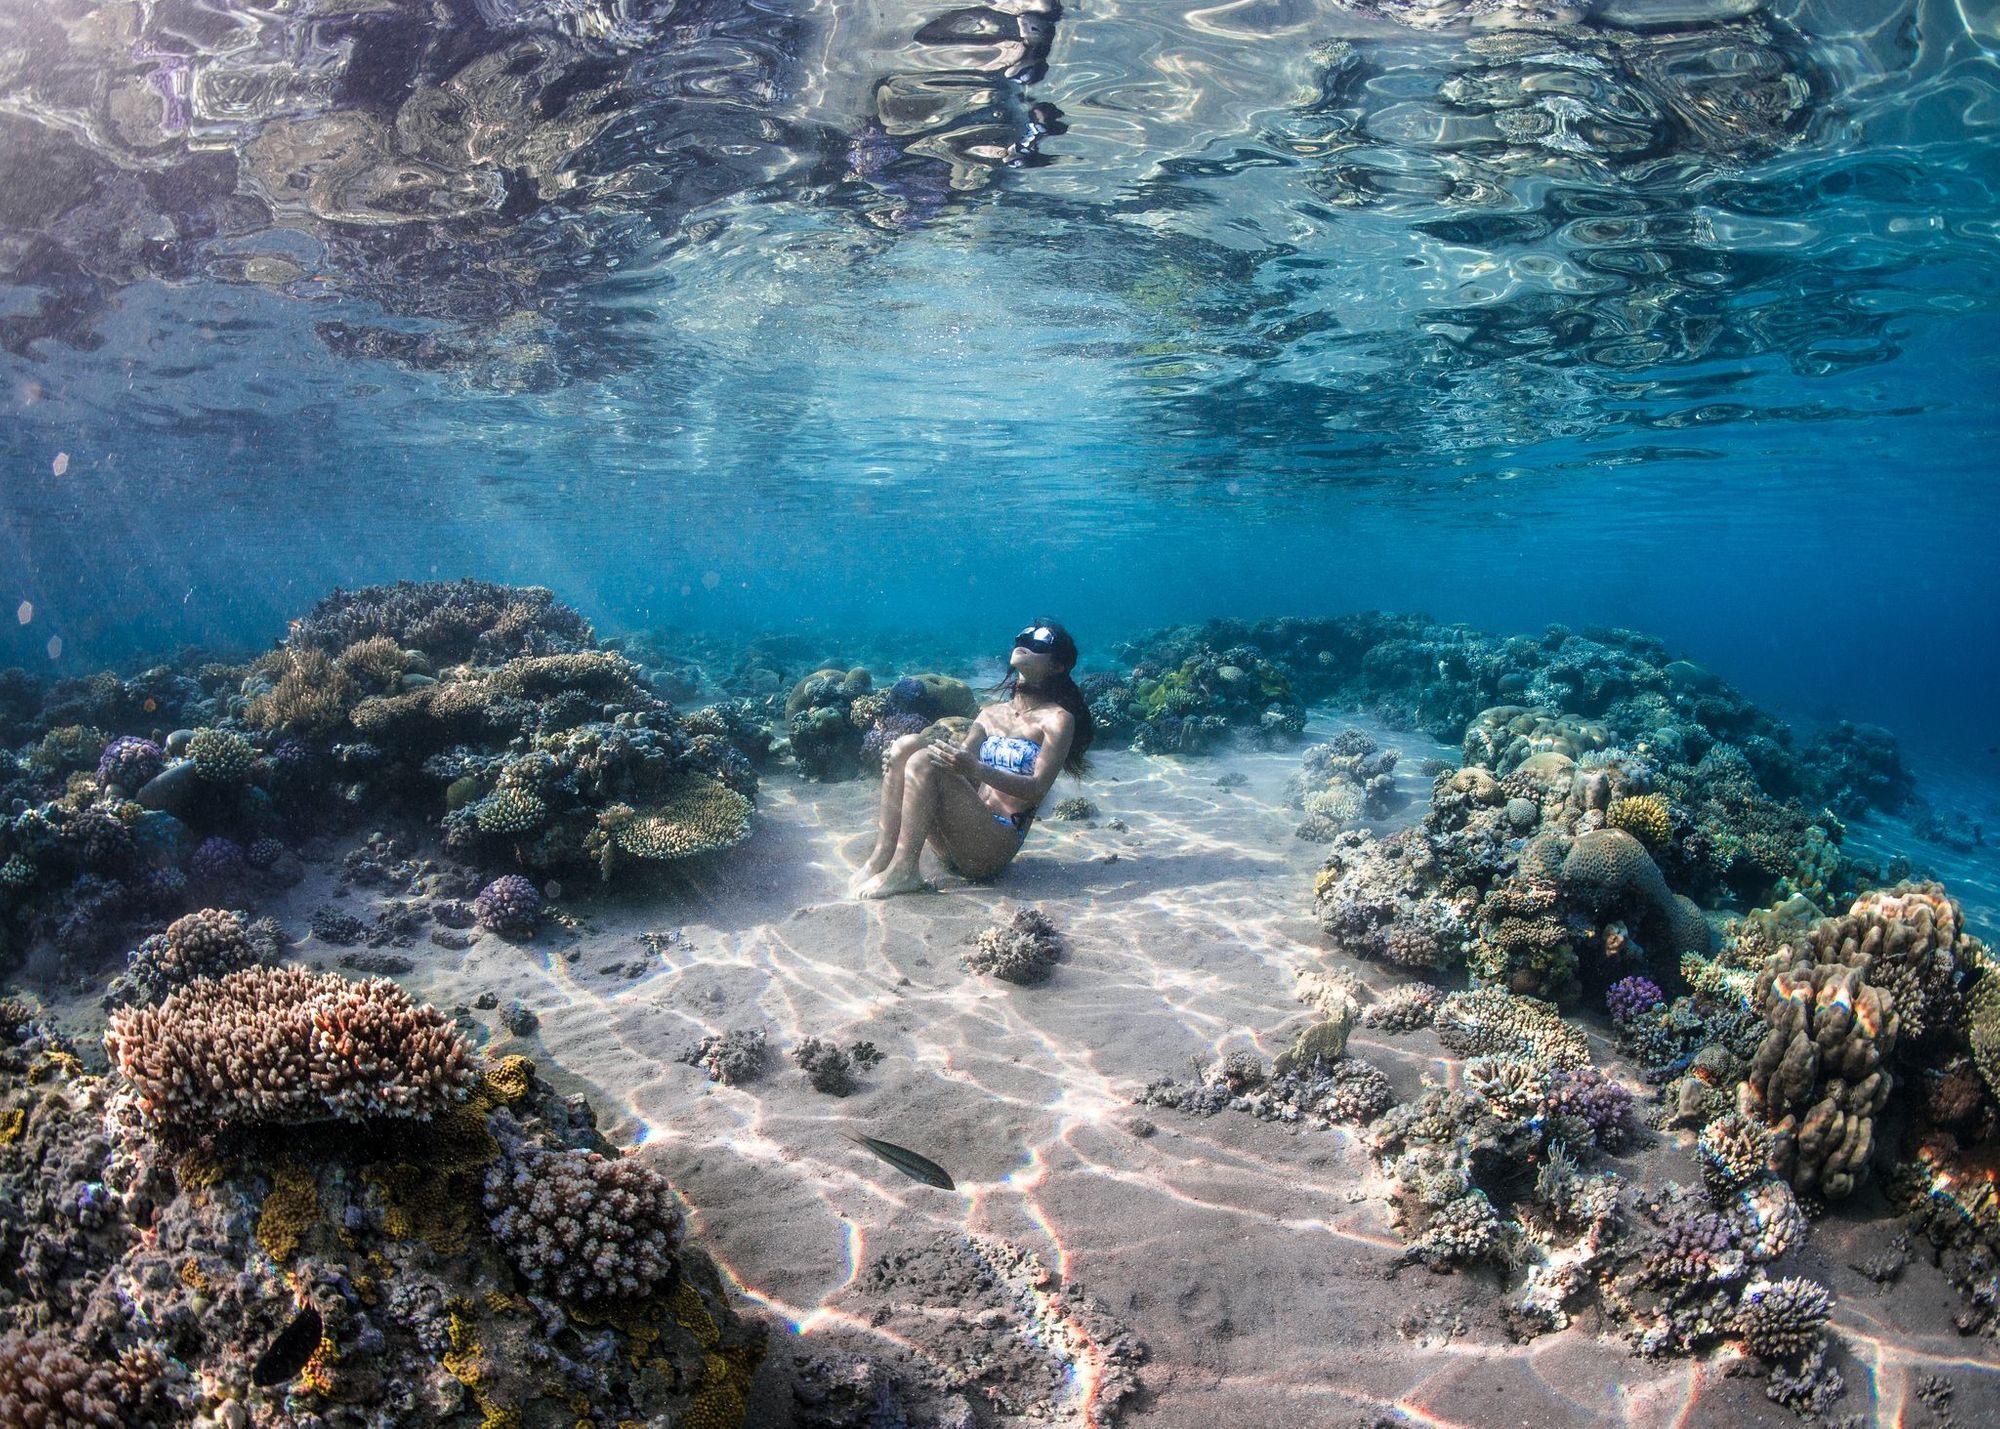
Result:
x=734 y=312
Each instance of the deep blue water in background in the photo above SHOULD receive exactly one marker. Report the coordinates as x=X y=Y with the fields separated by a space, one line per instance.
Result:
x=741 y=316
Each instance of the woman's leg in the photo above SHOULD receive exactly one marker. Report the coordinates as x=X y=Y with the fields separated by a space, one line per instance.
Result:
x=894 y=762
x=941 y=805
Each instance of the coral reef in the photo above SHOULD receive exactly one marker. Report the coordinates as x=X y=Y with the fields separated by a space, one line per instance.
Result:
x=166 y=1273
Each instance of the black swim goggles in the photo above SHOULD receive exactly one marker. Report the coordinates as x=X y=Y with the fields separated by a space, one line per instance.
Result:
x=1038 y=638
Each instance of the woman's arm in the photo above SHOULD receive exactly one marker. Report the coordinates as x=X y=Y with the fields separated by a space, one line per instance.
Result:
x=1028 y=788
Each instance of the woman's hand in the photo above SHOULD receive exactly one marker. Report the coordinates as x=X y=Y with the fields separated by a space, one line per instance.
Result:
x=951 y=756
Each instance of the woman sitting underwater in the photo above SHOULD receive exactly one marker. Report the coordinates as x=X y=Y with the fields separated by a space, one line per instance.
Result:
x=975 y=800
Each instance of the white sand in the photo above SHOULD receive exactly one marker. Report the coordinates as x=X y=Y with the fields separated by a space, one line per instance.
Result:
x=1252 y=1261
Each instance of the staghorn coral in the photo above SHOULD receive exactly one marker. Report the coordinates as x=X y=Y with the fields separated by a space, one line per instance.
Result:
x=270 y=1045
x=1023 y=950
x=309 y=694
x=509 y=904
x=1785 y=1319
x=221 y=756
x=583 y=1226
x=446 y=620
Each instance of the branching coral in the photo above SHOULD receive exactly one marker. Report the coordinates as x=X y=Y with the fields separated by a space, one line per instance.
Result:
x=581 y=1225
x=1785 y=1319
x=270 y=1045
x=221 y=756
x=509 y=904
x=44 y=1385
x=211 y=943
x=1489 y=1021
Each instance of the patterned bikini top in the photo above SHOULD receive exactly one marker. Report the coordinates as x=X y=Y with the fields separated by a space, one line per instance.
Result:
x=1009 y=753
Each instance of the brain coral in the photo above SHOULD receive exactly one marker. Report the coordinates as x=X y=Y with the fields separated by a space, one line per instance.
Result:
x=581 y=1225
x=272 y=1046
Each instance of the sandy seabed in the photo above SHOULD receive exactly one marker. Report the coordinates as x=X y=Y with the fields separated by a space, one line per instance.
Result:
x=1256 y=1263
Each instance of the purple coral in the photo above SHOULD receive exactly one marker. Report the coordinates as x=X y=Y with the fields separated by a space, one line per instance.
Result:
x=130 y=762
x=1630 y=998
x=1592 y=1098
x=509 y=904
x=217 y=860
x=888 y=729
x=905 y=693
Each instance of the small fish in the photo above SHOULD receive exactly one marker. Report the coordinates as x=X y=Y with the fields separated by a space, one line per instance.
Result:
x=296 y=1344
x=917 y=1168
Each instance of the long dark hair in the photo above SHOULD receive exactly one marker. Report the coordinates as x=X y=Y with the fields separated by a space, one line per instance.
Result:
x=1064 y=690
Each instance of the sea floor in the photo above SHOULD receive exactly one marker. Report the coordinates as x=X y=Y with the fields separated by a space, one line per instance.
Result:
x=1256 y=1263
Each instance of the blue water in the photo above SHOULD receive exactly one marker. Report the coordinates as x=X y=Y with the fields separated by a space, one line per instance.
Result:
x=822 y=316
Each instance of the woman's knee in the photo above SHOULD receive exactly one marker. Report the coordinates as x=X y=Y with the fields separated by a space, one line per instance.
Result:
x=901 y=748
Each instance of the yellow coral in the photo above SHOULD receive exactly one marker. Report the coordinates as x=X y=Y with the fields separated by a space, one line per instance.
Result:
x=462 y=1363
x=193 y=1278
x=288 y=1211
x=508 y=1079
x=308 y=694
x=12 y=1124
x=1644 y=816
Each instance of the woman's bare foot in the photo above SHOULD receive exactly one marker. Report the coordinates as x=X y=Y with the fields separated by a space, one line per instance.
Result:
x=888 y=883
x=868 y=870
